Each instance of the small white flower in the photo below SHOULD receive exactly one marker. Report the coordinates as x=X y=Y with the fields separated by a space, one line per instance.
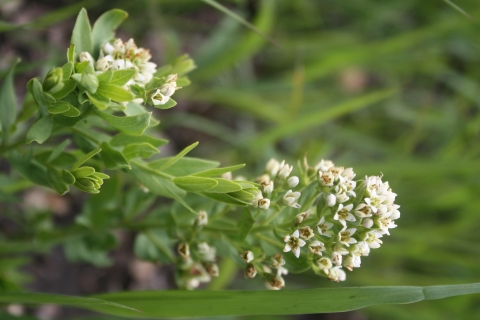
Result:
x=299 y=218
x=337 y=274
x=264 y=204
x=290 y=198
x=284 y=171
x=345 y=236
x=282 y=271
x=323 y=165
x=158 y=98
x=250 y=271
x=325 y=179
x=375 y=201
x=373 y=239
x=324 y=264
x=227 y=175
x=316 y=247
x=206 y=252
x=277 y=261
x=267 y=186
x=336 y=171
x=331 y=200
x=306 y=233
x=292 y=182
x=202 y=218
x=212 y=269
x=183 y=250
x=363 y=211
x=385 y=224
x=324 y=227
x=352 y=261
x=342 y=197
x=275 y=282
x=343 y=214
x=348 y=174
x=104 y=63
x=272 y=167
x=258 y=196
x=108 y=48
x=247 y=256
x=336 y=258
x=293 y=243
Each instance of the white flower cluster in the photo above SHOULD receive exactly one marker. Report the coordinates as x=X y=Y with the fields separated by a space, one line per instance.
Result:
x=354 y=218
x=277 y=174
x=192 y=272
x=126 y=55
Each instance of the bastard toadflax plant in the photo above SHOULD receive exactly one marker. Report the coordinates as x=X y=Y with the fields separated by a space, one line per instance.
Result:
x=88 y=127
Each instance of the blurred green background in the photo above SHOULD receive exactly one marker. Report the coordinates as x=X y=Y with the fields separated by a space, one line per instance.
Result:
x=382 y=86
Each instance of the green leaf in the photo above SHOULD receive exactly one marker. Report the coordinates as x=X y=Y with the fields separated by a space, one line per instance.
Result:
x=223 y=197
x=82 y=172
x=122 y=139
x=71 y=53
x=121 y=77
x=57 y=182
x=171 y=304
x=218 y=171
x=39 y=96
x=112 y=158
x=99 y=101
x=85 y=158
x=169 y=104
x=131 y=125
x=68 y=86
x=194 y=184
x=139 y=150
x=8 y=103
x=79 y=302
x=64 y=108
x=162 y=166
x=82 y=34
x=105 y=26
x=184 y=166
x=40 y=131
x=225 y=186
x=67 y=177
x=56 y=152
x=67 y=70
x=105 y=76
x=246 y=223
x=116 y=93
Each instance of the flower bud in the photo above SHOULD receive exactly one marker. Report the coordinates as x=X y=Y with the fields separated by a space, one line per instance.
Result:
x=202 y=218
x=292 y=182
x=290 y=198
x=274 y=282
x=171 y=78
x=284 y=171
x=212 y=269
x=325 y=179
x=250 y=271
x=183 y=250
x=158 y=98
x=367 y=223
x=324 y=264
x=85 y=56
x=53 y=80
x=104 y=63
x=299 y=218
x=277 y=261
x=331 y=200
x=264 y=204
x=247 y=256
x=267 y=186
x=272 y=167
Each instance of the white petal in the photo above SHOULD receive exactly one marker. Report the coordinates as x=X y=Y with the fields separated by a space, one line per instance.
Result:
x=296 y=252
x=295 y=234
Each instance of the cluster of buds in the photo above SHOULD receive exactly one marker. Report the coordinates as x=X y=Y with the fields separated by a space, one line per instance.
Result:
x=354 y=215
x=84 y=178
x=125 y=55
x=276 y=179
x=273 y=280
x=196 y=267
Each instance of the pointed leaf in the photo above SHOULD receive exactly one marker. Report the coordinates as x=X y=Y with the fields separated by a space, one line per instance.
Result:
x=218 y=171
x=132 y=125
x=139 y=150
x=122 y=139
x=8 y=103
x=194 y=184
x=104 y=28
x=225 y=186
x=116 y=93
x=40 y=131
x=173 y=160
x=82 y=34
x=112 y=158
